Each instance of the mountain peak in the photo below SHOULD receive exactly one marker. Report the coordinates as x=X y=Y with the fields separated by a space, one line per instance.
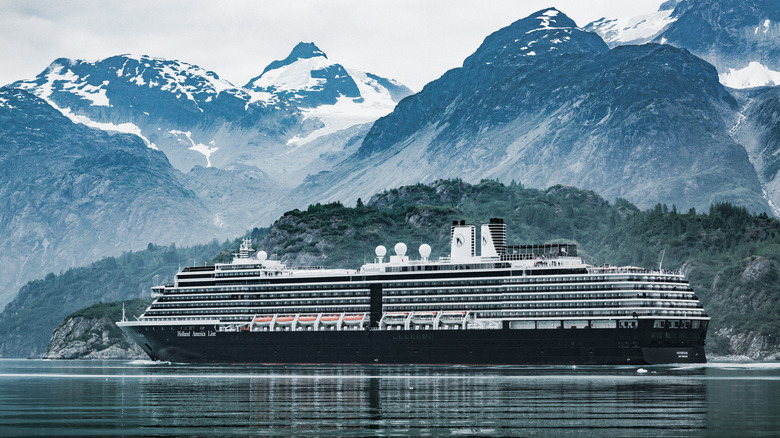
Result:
x=551 y=17
x=300 y=51
x=546 y=32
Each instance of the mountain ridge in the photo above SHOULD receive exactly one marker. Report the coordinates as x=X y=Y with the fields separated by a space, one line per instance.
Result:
x=583 y=115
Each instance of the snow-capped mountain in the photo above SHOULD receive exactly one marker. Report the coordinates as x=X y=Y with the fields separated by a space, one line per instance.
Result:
x=177 y=107
x=267 y=129
x=237 y=151
x=326 y=91
x=198 y=119
x=543 y=102
x=741 y=38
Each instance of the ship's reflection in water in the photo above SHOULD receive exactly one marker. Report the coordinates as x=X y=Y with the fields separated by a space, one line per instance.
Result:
x=503 y=402
x=151 y=399
x=598 y=401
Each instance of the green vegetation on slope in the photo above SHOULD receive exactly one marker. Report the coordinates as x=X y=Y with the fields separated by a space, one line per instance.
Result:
x=112 y=312
x=731 y=257
x=27 y=322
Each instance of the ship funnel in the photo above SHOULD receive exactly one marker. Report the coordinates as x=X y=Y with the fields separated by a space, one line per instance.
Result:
x=493 y=238
x=463 y=241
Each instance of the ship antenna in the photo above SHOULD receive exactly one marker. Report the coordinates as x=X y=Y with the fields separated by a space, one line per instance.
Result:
x=123 y=313
x=661 y=263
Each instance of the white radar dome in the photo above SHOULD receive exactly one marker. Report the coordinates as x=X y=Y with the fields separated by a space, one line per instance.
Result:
x=262 y=255
x=380 y=251
x=400 y=249
x=425 y=250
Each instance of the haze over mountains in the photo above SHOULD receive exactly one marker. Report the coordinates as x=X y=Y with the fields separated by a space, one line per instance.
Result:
x=541 y=102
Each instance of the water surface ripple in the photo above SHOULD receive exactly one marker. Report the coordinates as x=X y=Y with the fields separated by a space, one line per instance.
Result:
x=143 y=398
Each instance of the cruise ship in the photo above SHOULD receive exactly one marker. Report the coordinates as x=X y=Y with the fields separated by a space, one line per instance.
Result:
x=511 y=304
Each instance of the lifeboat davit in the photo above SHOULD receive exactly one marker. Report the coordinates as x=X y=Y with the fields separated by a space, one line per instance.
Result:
x=423 y=317
x=452 y=317
x=395 y=318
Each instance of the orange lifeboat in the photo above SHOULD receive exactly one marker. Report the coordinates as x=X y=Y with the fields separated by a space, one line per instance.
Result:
x=353 y=319
x=285 y=320
x=329 y=319
x=263 y=320
x=307 y=319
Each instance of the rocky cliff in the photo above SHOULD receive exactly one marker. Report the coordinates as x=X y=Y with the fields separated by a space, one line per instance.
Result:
x=91 y=333
x=91 y=338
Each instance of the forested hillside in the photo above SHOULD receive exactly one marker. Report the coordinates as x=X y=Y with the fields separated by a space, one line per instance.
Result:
x=27 y=322
x=732 y=257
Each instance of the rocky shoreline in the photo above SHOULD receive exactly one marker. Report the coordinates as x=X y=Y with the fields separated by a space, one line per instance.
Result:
x=91 y=338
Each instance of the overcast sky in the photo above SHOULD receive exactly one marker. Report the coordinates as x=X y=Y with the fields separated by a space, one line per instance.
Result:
x=413 y=41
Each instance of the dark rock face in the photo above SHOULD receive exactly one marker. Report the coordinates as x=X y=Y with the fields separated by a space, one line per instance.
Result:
x=545 y=103
x=757 y=129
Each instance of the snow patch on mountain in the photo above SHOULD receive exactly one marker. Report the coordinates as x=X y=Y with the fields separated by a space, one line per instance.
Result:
x=293 y=77
x=754 y=75
x=73 y=83
x=632 y=30
x=764 y=28
x=124 y=128
x=58 y=77
x=376 y=102
x=259 y=96
x=198 y=147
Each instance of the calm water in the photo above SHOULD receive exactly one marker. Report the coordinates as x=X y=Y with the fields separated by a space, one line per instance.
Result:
x=140 y=398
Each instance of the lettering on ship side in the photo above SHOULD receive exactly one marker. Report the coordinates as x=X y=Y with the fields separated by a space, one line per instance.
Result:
x=187 y=334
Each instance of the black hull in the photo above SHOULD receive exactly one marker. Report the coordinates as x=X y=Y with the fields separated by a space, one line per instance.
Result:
x=640 y=346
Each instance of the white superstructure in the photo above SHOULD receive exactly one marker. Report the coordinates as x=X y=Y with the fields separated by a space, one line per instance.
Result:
x=522 y=287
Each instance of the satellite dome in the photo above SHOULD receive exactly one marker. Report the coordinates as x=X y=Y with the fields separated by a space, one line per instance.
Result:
x=425 y=250
x=262 y=255
x=380 y=251
x=400 y=249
